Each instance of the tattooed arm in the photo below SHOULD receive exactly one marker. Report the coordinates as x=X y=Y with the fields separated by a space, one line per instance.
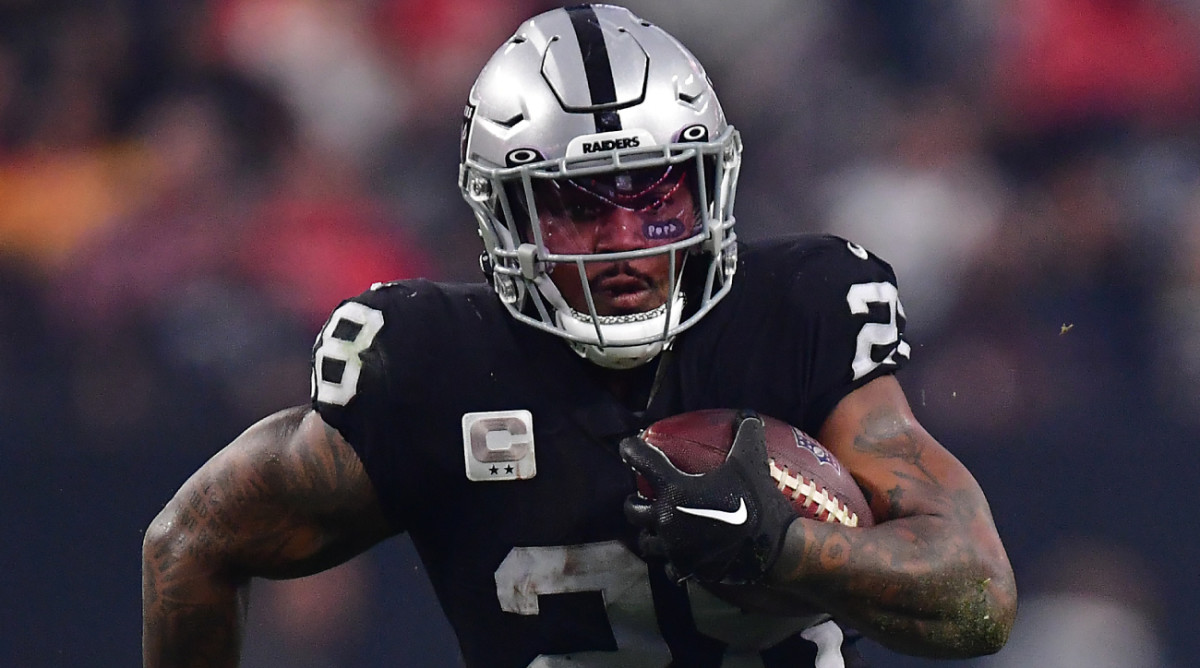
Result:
x=287 y=498
x=931 y=578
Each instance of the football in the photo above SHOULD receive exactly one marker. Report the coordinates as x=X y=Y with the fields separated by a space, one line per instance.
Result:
x=808 y=474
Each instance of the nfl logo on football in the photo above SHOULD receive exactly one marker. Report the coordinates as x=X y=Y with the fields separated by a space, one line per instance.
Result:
x=817 y=450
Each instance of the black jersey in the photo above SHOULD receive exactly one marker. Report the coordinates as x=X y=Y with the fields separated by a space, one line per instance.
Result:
x=495 y=447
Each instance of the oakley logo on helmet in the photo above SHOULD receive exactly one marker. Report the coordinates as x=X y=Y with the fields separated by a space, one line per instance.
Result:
x=694 y=133
x=608 y=141
x=521 y=156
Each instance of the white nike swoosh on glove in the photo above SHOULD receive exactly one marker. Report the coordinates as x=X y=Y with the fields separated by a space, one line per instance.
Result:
x=727 y=516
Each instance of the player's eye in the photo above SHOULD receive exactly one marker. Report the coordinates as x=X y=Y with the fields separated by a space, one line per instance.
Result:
x=659 y=204
x=582 y=211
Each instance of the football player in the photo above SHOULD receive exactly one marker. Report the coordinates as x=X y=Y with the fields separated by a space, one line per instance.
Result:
x=495 y=423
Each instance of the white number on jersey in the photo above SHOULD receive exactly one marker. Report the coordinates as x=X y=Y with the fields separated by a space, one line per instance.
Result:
x=610 y=568
x=860 y=297
x=351 y=330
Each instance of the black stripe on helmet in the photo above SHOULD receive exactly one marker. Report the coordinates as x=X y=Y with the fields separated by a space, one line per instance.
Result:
x=596 y=65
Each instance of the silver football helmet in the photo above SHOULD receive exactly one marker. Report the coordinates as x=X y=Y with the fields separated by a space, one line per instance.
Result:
x=593 y=102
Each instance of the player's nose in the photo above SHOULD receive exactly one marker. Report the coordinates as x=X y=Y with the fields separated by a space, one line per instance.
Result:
x=622 y=230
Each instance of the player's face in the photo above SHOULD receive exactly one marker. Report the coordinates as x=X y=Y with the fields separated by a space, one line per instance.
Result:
x=630 y=211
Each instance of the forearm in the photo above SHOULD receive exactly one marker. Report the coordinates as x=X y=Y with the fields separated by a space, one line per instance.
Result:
x=192 y=615
x=916 y=584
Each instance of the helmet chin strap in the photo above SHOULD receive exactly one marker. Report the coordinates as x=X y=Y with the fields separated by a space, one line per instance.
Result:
x=617 y=330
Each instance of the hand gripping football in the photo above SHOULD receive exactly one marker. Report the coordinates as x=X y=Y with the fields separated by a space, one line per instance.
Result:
x=816 y=482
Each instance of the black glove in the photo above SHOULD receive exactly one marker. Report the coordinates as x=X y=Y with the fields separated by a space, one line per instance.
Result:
x=739 y=542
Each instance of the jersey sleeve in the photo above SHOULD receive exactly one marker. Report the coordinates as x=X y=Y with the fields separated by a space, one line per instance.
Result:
x=854 y=323
x=353 y=385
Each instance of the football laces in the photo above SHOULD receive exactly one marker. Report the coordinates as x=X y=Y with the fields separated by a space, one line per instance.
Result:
x=825 y=507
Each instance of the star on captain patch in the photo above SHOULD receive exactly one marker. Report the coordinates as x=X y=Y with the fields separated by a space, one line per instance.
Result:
x=498 y=445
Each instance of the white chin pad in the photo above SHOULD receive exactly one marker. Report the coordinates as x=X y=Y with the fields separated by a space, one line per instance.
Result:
x=619 y=331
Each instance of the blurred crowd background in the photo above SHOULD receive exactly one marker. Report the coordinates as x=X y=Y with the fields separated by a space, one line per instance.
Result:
x=187 y=188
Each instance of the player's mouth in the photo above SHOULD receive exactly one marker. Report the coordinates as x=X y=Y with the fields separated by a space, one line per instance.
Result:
x=624 y=290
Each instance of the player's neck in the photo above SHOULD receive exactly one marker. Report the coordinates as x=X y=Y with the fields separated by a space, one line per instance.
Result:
x=634 y=388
